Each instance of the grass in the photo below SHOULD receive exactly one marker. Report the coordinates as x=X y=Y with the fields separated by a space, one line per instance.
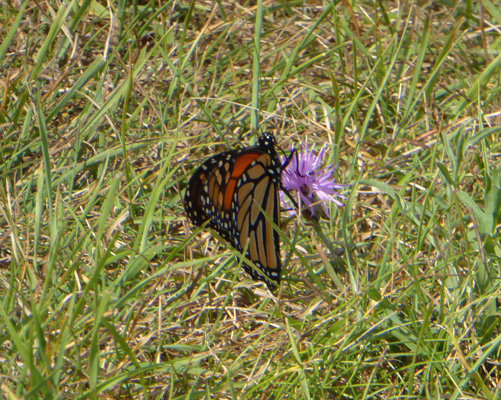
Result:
x=105 y=111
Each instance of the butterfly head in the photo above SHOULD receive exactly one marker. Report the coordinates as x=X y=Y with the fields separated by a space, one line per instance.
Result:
x=267 y=141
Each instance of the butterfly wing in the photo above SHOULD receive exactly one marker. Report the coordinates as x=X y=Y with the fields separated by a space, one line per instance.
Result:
x=230 y=191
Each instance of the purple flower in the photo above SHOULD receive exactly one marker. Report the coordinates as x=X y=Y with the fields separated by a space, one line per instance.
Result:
x=314 y=185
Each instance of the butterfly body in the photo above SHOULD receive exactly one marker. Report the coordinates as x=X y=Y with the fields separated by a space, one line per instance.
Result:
x=230 y=191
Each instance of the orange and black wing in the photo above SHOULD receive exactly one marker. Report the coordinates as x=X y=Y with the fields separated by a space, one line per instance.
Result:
x=230 y=191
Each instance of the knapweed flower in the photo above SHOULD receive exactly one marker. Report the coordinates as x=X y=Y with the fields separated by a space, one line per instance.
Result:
x=314 y=184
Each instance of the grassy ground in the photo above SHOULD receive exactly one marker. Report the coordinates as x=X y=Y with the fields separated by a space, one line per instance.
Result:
x=105 y=111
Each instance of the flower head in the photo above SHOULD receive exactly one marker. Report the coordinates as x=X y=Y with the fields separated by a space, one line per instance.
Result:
x=314 y=185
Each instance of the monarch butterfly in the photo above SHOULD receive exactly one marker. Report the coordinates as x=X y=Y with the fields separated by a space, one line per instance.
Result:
x=231 y=190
